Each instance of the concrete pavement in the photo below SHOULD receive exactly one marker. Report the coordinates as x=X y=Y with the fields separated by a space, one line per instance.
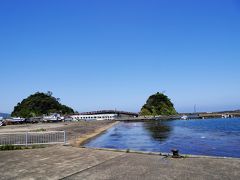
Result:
x=66 y=162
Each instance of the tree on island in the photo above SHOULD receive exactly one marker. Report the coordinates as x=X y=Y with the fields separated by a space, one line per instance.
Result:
x=39 y=104
x=158 y=104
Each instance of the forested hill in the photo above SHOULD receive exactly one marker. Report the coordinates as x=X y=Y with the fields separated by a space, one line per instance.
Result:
x=158 y=104
x=39 y=104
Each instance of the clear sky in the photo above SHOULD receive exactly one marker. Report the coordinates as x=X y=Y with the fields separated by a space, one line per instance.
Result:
x=107 y=54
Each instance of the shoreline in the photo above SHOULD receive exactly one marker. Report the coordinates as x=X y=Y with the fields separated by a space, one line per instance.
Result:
x=87 y=137
x=164 y=154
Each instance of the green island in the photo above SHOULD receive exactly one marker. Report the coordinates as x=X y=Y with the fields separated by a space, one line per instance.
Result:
x=158 y=104
x=38 y=104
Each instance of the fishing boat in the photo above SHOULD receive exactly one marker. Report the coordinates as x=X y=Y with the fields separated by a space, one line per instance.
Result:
x=16 y=120
x=184 y=117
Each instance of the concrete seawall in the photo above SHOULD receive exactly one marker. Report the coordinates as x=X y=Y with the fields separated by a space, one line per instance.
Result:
x=87 y=137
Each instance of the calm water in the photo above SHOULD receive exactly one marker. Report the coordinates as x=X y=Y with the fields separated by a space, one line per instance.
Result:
x=213 y=137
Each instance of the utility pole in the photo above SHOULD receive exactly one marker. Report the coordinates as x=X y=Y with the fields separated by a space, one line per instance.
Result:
x=195 y=109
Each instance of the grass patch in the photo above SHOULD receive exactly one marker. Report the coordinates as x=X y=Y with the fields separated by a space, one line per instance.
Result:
x=10 y=147
x=40 y=130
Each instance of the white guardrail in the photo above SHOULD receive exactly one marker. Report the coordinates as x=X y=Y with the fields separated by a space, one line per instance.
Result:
x=33 y=138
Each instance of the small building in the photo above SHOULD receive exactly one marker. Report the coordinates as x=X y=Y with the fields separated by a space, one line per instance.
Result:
x=97 y=117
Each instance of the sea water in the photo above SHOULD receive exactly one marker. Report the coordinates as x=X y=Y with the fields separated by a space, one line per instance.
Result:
x=211 y=137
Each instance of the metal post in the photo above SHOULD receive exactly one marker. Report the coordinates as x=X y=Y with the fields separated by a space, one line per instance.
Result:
x=26 y=138
x=175 y=153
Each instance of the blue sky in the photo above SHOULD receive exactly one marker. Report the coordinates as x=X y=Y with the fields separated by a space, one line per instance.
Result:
x=114 y=54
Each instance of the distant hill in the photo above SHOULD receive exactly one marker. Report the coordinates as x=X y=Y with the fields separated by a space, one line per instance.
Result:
x=4 y=115
x=158 y=104
x=229 y=111
x=39 y=104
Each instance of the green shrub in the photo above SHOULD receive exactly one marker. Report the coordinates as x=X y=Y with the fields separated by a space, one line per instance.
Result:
x=40 y=130
x=10 y=147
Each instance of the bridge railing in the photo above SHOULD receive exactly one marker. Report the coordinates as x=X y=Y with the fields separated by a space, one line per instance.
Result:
x=33 y=138
x=108 y=111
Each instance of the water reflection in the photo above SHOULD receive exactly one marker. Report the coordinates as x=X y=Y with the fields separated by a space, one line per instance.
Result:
x=158 y=130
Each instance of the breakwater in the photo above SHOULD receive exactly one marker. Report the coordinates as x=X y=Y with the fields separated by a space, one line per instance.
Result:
x=174 y=117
